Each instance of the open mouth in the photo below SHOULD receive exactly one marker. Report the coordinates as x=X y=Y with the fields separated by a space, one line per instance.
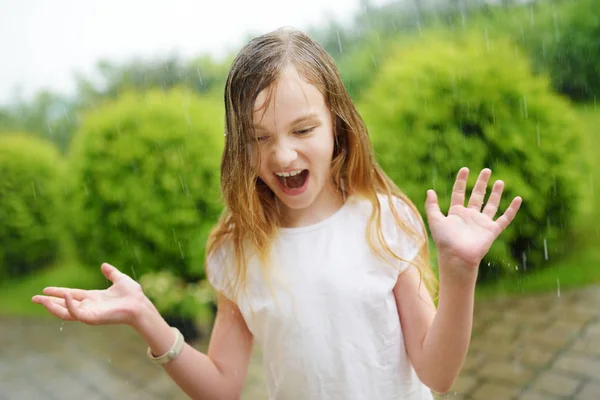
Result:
x=293 y=180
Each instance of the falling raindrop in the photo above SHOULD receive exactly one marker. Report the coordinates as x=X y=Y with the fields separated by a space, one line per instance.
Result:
x=545 y=250
x=537 y=128
x=199 y=76
x=522 y=35
x=339 y=41
x=181 y=250
x=531 y=14
x=183 y=186
x=558 y=286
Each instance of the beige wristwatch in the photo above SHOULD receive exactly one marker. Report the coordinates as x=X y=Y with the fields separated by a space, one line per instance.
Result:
x=172 y=353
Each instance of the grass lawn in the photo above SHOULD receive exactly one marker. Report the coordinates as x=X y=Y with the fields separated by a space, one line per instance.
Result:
x=15 y=295
x=576 y=271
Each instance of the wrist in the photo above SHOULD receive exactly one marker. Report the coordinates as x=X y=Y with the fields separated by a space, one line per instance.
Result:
x=457 y=274
x=153 y=329
x=146 y=317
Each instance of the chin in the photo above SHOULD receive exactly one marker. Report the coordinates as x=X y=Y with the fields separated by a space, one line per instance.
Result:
x=296 y=203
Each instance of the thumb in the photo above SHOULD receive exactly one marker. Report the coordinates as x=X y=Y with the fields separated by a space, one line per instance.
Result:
x=111 y=273
x=432 y=207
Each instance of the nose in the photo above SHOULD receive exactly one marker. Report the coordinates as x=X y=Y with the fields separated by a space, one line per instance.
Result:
x=284 y=154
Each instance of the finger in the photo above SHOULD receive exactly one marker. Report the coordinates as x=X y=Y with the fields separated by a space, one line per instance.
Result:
x=77 y=294
x=491 y=208
x=432 y=206
x=55 y=309
x=111 y=273
x=509 y=214
x=458 y=190
x=478 y=193
x=56 y=300
x=72 y=308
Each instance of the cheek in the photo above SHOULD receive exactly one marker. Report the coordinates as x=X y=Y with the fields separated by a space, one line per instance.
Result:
x=260 y=163
x=325 y=150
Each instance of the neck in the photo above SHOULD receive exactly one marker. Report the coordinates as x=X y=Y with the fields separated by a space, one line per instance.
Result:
x=326 y=204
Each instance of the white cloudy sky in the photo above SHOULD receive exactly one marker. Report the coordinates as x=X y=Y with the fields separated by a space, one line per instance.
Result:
x=42 y=42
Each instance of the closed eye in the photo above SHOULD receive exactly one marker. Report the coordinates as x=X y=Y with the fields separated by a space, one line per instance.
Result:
x=262 y=138
x=305 y=131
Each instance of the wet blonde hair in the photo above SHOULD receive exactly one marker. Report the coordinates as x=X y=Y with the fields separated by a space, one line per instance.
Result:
x=251 y=216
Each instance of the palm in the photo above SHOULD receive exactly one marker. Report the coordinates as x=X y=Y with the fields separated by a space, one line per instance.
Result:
x=114 y=305
x=467 y=233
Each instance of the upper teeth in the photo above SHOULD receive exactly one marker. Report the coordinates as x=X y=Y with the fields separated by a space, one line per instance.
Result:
x=291 y=173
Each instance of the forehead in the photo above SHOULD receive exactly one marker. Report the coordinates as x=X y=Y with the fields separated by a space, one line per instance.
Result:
x=291 y=96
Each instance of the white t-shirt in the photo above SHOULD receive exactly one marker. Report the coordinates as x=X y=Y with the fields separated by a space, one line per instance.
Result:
x=332 y=330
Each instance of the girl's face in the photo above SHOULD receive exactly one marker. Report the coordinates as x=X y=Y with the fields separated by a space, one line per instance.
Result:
x=296 y=141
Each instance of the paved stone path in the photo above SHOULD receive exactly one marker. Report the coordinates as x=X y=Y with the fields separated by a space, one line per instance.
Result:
x=529 y=348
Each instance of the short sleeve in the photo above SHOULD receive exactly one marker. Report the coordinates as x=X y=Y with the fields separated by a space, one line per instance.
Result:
x=219 y=271
x=406 y=244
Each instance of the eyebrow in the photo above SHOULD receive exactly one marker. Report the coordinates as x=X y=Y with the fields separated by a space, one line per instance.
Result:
x=294 y=122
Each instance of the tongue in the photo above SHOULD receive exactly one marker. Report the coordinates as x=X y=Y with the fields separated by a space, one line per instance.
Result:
x=294 y=182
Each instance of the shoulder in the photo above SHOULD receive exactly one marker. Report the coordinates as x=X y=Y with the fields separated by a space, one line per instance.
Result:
x=402 y=226
x=220 y=265
x=405 y=211
x=394 y=211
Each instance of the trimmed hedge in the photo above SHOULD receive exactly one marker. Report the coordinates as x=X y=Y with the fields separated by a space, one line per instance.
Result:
x=30 y=204
x=145 y=181
x=445 y=102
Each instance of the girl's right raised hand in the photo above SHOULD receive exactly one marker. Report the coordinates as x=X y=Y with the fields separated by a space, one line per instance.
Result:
x=121 y=303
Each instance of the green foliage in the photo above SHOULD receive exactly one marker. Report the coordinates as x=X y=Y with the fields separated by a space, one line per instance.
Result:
x=201 y=75
x=444 y=103
x=48 y=115
x=359 y=66
x=173 y=297
x=565 y=42
x=30 y=203
x=145 y=181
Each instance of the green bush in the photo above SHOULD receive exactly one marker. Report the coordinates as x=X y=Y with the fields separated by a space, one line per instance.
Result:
x=565 y=42
x=30 y=203
x=145 y=181
x=172 y=297
x=359 y=66
x=445 y=103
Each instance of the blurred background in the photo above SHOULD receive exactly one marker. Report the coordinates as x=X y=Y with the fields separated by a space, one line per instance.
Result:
x=111 y=131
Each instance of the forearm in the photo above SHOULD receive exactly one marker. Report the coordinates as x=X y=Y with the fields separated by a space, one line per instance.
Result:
x=446 y=344
x=194 y=372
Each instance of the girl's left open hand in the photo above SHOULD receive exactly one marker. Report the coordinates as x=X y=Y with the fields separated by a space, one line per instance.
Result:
x=466 y=234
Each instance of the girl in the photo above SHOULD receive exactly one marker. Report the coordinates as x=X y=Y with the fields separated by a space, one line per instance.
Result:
x=318 y=255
